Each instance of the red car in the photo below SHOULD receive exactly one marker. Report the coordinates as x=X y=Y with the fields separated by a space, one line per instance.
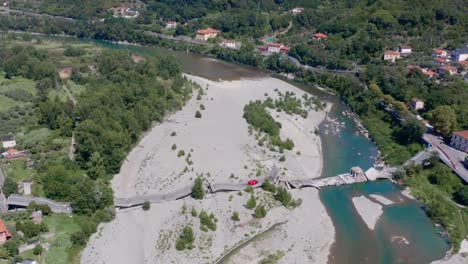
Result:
x=252 y=182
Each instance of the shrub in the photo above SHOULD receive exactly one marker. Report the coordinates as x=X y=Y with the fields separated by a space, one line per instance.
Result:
x=174 y=147
x=198 y=192
x=198 y=114
x=206 y=220
x=146 y=205
x=186 y=239
x=462 y=195
x=283 y=196
x=251 y=203
x=194 y=212
x=260 y=212
x=173 y=134
x=199 y=97
x=202 y=107
x=268 y=186
x=249 y=189
x=180 y=153
x=235 y=216
x=283 y=158
x=37 y=249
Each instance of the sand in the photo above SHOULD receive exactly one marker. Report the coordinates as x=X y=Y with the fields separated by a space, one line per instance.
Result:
x=381 y=199
x=368 y=210
x=221 y=149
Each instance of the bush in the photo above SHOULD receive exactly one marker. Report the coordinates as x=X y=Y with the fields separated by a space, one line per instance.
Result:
x=194 y=212
x=283 y=196
x=251 y=203
x=173 y=134
x=198 y=114
x=180 y=153
x=174 y=147
x=9 y=187
x=202 y=107
x=198 y=192
x=462 y=195
x=249 y=189
x=206 y=220
x=268 y=186
x=186 y=239
x=37 y=249
x=235 y=216
x=260 y=212
x=283 y=158
x=146 y=205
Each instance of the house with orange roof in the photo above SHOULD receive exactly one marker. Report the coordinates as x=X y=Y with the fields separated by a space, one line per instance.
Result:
x=319 y=36
x=460 y=140
x=439 y=53
x=391 y=55
x=275 y=47
x=447 y=70
x=440 y=61
x=429 y=73
x=12 y=153
x=4 y=233
x=206 y=34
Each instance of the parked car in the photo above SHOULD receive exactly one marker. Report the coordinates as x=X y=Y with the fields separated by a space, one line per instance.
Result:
x=252 y=182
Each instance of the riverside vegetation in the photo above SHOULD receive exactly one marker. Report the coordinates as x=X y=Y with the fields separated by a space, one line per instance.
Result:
x=118 y=100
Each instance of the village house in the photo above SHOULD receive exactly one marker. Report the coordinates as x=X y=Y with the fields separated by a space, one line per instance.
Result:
x=460 y=140
x=124 y=11
x=65 y=73
x=13 y=153
x=206 y=34
x=446 y=70
x=429 y=73
x=4 y=233
x=439 y=53
x=229 y=43
x=36 y=217
x=297 y=10
x=440 y=61
x=319 y=36
x=171 y=24
x=417 y=104
x=391 y=55
x=460 y=54
x=25 y=187
x=274 y=47
x=463 y=65
x=8 y=142
x=405 y=50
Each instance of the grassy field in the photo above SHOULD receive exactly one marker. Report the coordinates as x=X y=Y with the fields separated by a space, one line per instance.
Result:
x=17 y=83
x=17 y=171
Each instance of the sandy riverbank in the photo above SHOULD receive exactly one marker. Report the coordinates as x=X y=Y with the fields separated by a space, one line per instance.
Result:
x=368 y=210
x=220 y=148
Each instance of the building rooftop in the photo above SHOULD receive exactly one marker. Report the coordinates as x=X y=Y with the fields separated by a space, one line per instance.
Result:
x=391 y=52
x=462 y=50
x=3 y=228
x=463 y=134
x=274 y=44
x=207 y=31
x=320 y=35
x=448 y=68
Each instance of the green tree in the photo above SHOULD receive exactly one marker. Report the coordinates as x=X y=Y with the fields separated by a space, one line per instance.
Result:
x=283 y=196
x=260 y=212
x=462 y=196
x=198 y=114
x=252 y=202
x=444 y=119
x=198 y=191
x=9 y=187
x=235 y=216
x=146 y=205
x=37 y=249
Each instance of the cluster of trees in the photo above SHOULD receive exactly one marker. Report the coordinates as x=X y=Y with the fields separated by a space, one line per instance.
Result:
x=186 y=239
x=436 y=185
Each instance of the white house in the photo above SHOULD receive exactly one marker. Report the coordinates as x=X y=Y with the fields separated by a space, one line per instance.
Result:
x=417 y=104
x=460 y=54
x=231 y=44
x=460 y=140
x=297 y=10
x=8 y=142
x=171 y=24
x=206 y=34
x=274 y=47
x=391 y=55
x=405 y=50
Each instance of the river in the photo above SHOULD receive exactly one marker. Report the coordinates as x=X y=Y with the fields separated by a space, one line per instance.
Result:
x=342 y=149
